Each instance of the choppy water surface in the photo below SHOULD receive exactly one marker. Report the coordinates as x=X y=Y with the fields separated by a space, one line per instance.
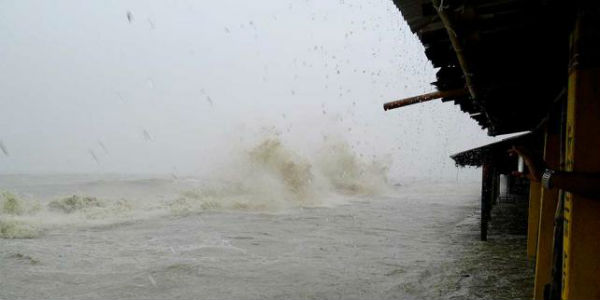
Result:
x=413 y=241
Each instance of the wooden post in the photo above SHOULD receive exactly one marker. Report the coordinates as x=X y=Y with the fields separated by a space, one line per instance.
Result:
x=496 y=188
x=533 y=218
x=549 y=200
x=581 y=240
x=486 y=192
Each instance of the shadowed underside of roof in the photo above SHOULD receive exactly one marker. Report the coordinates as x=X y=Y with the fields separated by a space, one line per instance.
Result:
x=517 y=52
x=496 y=152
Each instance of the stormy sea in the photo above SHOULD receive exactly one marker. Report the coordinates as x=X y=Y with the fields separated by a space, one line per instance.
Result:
x=273 y=225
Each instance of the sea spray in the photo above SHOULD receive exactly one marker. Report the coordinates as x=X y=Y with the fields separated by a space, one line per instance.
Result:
x=27 y=218
x=74 y=203
x=348 y=173
x=268 y=177
x=294 y=172
x=271 y=176
x=11 y=204
x=15 y=229
x=11 y=210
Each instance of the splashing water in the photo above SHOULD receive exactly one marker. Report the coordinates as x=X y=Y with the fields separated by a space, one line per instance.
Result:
x=294 y=172
x=347 y=174
x=271 y=176
x=268 y=177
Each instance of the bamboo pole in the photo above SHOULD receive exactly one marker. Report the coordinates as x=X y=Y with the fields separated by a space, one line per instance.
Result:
x=458 y=49
x=424 y=98
x=465 y=65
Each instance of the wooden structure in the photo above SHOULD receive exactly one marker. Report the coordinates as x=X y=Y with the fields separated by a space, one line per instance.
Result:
x=528 y=65
x=494 y=162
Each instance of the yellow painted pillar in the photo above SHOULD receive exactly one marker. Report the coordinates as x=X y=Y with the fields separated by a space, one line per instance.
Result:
x=581 y=243
x=549 y=201
x=533 y=218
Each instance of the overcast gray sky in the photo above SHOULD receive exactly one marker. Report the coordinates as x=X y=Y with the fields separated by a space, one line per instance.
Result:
x=178 y=86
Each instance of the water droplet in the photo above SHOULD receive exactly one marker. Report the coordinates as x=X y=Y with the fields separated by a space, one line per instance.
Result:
x=129 y=16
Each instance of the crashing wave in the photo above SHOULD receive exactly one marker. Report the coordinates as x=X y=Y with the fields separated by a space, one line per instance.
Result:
x=74 y=203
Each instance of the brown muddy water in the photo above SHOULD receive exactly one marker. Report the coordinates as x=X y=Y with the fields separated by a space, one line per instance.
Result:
x=140 y=238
